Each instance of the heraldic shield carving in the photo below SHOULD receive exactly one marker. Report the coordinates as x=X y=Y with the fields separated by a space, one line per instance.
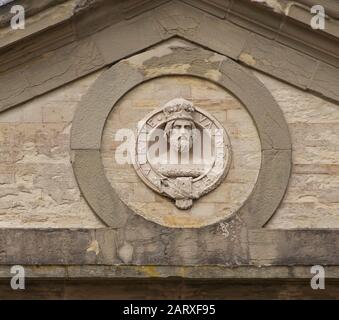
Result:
x=182 y=152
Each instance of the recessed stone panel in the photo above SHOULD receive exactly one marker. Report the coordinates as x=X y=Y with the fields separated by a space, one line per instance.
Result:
x=245 y=95
x=234 y=188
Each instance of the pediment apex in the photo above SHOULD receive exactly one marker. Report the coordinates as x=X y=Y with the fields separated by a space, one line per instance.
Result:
x=88 y=40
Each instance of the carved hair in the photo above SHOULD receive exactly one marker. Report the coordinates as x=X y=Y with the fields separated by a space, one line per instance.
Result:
x=179 y=109
x=170 y=124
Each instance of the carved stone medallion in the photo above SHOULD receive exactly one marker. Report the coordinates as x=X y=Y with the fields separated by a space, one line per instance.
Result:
x=182 y=152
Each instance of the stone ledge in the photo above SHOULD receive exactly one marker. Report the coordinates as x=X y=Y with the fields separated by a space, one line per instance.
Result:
x=32 y=7
x=90 y=272
x=286 y=249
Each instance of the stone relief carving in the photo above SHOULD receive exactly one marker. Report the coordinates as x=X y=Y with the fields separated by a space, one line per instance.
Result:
x=182 y=152
x=258 y=178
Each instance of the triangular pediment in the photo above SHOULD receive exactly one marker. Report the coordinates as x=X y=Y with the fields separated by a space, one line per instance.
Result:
x=90 y=35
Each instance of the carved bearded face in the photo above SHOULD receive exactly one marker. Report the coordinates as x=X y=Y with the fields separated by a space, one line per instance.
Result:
x=181 y=135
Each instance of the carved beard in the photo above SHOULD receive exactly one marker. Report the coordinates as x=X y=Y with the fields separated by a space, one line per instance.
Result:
x=180 y=143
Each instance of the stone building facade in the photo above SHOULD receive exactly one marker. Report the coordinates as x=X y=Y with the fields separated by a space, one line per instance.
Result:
x=80 y=71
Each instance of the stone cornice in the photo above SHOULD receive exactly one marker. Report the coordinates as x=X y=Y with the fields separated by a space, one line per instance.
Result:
x=73 y=28
x=32 y=7
x=211 y=272
x=254 y=14
x=277 y=249
x=331 y=6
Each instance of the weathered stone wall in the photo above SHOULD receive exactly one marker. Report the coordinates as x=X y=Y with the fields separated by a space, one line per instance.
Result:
x=37 y=185
x=38 y=188
x=312 y=198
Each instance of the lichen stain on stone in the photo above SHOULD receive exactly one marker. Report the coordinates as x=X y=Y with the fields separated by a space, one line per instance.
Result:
x=223 y=228
x=164 y=59
x=174 y=69
x=181 y=272
x=139 y=59
x=198 y=59
x=94 y=247
x=274 y=4
x=125 y=252
x=158 y=51
x=177 y=221
x=248 y=59
x=214 y=75
x=150 y=271
x=178 y=24
x=217 y=58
